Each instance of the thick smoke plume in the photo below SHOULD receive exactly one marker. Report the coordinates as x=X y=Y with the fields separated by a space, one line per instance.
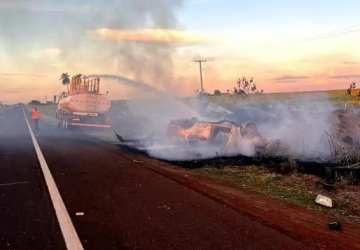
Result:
x=144 y=62
x=69 y=26
x=299 y=126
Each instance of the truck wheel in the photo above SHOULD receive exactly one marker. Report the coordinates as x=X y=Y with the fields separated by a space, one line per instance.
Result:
x=63 y=124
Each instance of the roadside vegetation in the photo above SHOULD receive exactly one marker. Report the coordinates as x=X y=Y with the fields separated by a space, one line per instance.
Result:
x=295 y=188
x=338 y=97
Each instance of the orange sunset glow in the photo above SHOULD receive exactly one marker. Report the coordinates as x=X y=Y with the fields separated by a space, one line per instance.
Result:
x=302 y=54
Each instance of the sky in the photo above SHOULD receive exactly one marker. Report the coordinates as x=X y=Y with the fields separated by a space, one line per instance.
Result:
x=285 y=45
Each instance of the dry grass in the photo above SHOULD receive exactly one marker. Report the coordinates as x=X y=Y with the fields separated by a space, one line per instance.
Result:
x=298 y=189
x=261 y=180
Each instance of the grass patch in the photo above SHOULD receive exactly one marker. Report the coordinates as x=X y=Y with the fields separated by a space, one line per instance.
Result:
x=262 y=181
x=338 y=97
x=298 y=189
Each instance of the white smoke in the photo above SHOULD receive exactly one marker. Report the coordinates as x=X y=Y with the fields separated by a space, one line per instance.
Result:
x=301 y=125
x=67 y=26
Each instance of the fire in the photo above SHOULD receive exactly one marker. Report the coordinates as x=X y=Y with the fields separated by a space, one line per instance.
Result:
x=227 y=135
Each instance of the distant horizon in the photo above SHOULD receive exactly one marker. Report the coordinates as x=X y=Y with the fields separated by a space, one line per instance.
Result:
x=189 y=96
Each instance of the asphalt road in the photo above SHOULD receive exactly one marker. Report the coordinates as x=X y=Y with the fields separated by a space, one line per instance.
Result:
x=27 y=219
x=124 y=205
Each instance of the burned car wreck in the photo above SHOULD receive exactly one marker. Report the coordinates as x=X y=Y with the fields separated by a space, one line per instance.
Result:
x=229 y=137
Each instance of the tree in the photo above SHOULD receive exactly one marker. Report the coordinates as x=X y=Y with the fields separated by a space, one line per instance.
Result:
x=65 y=79
x=35 y=102
x=217 y=92
x=247 y=86
x=351 y=88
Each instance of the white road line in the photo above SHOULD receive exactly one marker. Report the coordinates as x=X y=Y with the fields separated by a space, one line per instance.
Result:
x=68 y=231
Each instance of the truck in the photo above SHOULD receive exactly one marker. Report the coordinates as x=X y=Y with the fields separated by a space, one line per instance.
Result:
x=83 y=105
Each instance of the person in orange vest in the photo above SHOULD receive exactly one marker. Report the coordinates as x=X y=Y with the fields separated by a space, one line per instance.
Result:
x=35 y=116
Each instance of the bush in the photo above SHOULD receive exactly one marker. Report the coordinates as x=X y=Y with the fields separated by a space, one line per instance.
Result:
x=35 y=102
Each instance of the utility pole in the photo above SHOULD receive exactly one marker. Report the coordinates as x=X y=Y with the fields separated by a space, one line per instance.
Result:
x=200 y=62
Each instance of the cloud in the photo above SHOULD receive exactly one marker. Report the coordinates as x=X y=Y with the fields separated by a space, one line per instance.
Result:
x=291 y=78
x=22 y=75
x=346 y=76
x=39 y=6
x=350 y=63
x=196 y=2
x=344 y=31
x=355 y=29
x=152 y=36
x=48 y=53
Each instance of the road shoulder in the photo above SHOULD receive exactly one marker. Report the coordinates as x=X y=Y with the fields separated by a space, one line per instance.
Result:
x=299 y=223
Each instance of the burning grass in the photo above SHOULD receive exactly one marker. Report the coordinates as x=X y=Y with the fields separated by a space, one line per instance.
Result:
x=296 y=188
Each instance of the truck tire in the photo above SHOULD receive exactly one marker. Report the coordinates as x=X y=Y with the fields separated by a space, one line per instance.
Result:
x=63 y=124
x=66 y=124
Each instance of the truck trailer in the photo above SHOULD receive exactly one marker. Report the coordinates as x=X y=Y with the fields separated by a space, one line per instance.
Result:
x=83 y=105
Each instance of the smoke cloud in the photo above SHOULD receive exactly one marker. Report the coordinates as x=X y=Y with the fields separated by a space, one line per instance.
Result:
x=66 y=26
x=300 y=125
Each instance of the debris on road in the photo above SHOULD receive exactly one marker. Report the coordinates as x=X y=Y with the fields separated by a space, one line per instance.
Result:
x=325 y=185
x=335 y=226
x=324 y=201
x=164 y=206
